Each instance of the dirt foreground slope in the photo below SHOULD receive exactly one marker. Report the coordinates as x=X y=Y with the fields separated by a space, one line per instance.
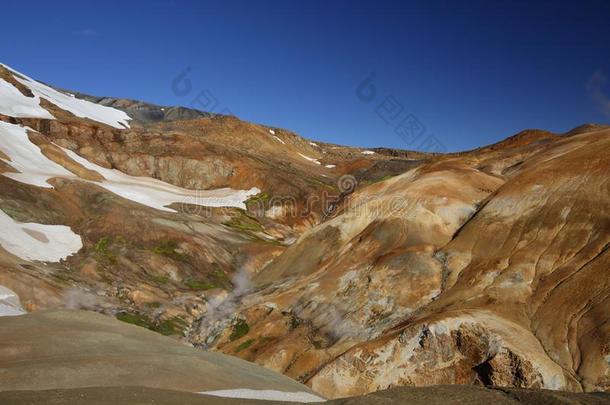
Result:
x=438 y=395
x=76 y=349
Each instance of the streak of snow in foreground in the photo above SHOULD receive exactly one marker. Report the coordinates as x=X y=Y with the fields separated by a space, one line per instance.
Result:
x=32 y=241
x=80 y=108
x=269 y=395
x=9 y=303
x=310 y=159
x=34 y=167
x=14 y=104
x=279 y=139
x=157 y=194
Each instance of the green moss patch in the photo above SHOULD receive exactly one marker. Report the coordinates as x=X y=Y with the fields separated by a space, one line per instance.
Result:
x=198 y=285
x=244 y=222
x=134 y=319
x=240 y=329
x=102 y=251
x=173 y=326
x=168 y=248
x=160 y=279
x=259 y=198
x=244 y=345
x=378 y=179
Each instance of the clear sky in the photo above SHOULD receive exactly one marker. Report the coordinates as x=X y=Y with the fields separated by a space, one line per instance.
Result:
x=467 y=73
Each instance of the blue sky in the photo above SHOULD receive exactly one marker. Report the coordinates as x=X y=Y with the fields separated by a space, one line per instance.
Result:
x=466 y=73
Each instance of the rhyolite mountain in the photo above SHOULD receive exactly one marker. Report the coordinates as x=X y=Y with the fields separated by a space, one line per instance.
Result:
x=346 y=269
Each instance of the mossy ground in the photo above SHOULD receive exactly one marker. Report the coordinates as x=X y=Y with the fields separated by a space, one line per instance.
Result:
x=102 y=251
x=240 y=329
x=244 y=222
x=168 y=248
x=172 y=326
x=244 y=345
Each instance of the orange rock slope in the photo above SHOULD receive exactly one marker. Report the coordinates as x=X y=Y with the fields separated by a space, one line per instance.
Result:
x=490 y=267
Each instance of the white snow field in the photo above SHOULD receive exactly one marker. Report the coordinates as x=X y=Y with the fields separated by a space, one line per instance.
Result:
x=14 y=104
x=157 y=194
x=9 y=303
x=368 y=152
x=32 y=241
x=81 y=108
x=269 y=395
x=34 y=167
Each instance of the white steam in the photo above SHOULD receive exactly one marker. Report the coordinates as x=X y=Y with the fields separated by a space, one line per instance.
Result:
x=220 y=309
x=595 y=87
x=75 y=298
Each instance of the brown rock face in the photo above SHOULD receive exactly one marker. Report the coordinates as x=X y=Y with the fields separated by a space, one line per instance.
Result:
x=498 y=279
x=349 y=272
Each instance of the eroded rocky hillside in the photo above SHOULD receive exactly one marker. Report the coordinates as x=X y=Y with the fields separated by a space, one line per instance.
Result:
x=144 y=219
x=346 y=269
x=489 y=267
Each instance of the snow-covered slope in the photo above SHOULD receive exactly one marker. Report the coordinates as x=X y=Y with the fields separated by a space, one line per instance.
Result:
x=15 y=104
x=31 y=241
x=157 y=194
x=35 y=168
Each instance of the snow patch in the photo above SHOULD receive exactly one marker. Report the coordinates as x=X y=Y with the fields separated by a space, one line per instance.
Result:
x=34 y=167
x=81 y=108
x=367 y=152
x=32 y=241
x=272 y=132
x=279 y=140
x=9 y=303
x=309 y=158
x=14 y=104
x=157 y=194
x=330 y=166
x=269 y=395
x=313 y=144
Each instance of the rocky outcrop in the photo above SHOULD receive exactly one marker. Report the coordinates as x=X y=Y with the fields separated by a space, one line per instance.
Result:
x=461 y=348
